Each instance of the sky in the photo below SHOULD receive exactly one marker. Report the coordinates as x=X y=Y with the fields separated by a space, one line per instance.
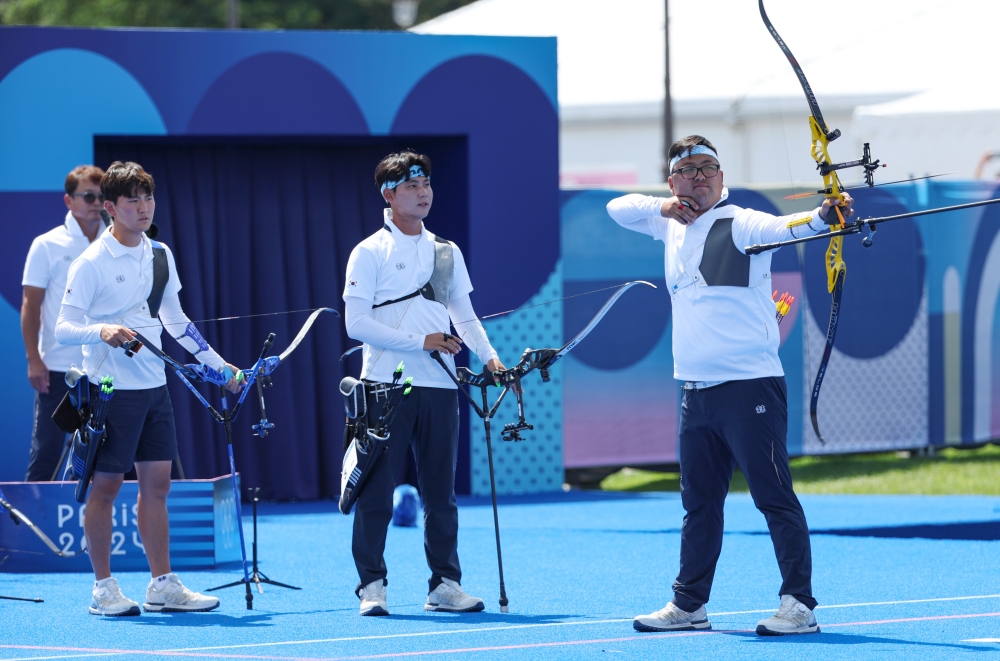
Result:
x=611 y=51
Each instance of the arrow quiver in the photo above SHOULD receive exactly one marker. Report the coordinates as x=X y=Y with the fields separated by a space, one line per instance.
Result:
x=364 y=443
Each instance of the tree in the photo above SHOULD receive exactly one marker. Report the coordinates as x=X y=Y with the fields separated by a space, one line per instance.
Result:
x=261 y=14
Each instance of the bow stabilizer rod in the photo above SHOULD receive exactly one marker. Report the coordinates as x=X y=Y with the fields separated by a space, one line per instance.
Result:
x=857 y=226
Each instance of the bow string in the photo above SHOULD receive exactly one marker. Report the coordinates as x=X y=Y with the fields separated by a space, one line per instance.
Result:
x=836 y=269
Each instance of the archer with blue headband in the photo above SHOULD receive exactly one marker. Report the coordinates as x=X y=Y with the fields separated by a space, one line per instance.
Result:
x=725 y=347
x=404 y=288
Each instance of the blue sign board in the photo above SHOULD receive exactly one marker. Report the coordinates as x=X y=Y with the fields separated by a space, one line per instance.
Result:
x=203 y=530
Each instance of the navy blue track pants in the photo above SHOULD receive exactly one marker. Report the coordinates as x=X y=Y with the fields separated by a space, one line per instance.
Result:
x=427 y=421
x=740 y=423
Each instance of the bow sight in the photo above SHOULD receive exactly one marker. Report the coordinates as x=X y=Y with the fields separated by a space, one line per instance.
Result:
x=865 y=162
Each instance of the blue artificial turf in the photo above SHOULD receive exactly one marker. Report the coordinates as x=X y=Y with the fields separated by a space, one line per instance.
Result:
x=577 y=566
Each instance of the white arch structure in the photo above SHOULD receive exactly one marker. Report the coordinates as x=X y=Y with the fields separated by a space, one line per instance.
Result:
x=982 y=364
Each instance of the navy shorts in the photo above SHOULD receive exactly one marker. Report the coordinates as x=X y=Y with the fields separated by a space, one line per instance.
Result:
x=139 y=427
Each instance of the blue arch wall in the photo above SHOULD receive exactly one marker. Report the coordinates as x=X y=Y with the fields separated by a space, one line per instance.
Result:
x=61 y=87
x=916 y=360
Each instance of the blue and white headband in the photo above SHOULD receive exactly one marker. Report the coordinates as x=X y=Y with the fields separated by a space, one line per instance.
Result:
x=415 y=171
x=693 y=151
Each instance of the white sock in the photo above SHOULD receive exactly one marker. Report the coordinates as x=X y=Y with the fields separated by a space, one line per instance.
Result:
x=103 y=582
x=160 y=582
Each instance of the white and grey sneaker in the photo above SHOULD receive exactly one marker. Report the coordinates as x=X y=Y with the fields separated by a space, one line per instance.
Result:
x=792 y=617
x=672 y=618
x=449 y=596
x=109 y=600
x=168 y=595
x=373 y=598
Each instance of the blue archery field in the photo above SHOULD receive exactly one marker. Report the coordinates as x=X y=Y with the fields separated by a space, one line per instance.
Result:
x=894 y=575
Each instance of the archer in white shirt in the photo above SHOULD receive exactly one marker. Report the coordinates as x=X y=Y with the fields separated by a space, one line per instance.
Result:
x=402 y=286
x=109 y=295
x=725 y=347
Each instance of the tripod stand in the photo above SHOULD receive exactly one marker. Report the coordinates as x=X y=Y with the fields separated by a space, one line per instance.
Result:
x=486 y=412
x=259 y=373
x=257 y=576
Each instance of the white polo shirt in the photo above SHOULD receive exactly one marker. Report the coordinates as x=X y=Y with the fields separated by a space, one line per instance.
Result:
x=389 y=265
x=720 y=333
x=111 y=283
x=46 y=268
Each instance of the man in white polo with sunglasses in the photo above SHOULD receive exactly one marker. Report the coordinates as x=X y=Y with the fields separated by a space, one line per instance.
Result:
x=44 y=282
x=725 y=346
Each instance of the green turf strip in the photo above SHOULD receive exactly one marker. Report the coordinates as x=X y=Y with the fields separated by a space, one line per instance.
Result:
x=949 y=471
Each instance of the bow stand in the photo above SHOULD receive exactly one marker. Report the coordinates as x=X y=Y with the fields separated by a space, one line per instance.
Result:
x=259 y=374
x=510 y=380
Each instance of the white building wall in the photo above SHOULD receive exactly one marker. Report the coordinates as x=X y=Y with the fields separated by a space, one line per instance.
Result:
x=765 y=141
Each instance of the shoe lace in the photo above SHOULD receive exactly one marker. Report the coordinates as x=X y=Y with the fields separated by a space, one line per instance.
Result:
x=672 y=613
x=176 y=592
x=789 y=610
x=109 y=592
x=451 y=592
x=375 y=593
x=182 y=595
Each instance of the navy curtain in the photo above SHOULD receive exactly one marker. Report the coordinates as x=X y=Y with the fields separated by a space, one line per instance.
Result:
x=267 y=226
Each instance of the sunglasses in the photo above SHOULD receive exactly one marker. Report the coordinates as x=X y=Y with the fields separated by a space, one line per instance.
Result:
x=89 y=197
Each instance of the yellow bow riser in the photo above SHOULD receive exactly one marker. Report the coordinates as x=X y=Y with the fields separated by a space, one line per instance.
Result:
x=835 y=267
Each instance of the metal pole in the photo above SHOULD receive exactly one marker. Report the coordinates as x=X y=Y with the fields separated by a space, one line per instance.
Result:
x=234 y=14
x=668 y=114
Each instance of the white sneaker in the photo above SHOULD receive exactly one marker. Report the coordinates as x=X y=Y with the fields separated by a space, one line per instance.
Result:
x=373 y=599
x=109 y=600
x=170 y=596
x=672 y=618
x=449 y=596
x=792 y=617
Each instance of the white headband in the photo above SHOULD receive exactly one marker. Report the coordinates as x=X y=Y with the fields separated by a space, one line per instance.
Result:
x=415 y=171
x=693 y=151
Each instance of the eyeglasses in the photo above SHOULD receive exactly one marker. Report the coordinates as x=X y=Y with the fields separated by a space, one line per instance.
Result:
x=690 y=172
x=90 y=198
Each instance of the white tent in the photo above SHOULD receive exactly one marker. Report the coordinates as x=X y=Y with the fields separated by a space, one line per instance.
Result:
x=945 y=129
x=729 y=80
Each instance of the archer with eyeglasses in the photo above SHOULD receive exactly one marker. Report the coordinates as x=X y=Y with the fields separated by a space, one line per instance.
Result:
x=725 y=348
x=690 y=171
x=44 y=283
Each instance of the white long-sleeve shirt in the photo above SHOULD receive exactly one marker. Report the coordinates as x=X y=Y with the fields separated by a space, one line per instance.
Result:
x=387 y=266
x=724 y=325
